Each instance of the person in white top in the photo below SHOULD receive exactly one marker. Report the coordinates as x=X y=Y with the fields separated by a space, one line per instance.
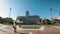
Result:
x=14 y=26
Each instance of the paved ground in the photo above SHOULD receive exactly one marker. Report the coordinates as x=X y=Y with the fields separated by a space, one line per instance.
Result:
x=48 y=30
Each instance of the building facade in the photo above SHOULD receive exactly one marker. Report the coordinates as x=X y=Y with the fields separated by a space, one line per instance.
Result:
x=29 y=19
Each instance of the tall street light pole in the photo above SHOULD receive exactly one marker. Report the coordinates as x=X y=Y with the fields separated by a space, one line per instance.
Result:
x=10 y=13
x=51 y=12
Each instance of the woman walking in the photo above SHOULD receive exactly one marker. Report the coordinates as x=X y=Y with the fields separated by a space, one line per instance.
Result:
x=14 y=26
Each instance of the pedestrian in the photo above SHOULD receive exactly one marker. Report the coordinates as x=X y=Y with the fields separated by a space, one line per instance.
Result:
x=14 y=26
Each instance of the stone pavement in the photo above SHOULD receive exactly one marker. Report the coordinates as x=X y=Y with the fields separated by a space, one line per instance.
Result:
x=48 y=30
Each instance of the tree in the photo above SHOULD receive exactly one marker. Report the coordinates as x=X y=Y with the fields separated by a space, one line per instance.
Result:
x=1 y=20
x=18 y=17
x=46 y=21
x=8 y=20
x=54 y=20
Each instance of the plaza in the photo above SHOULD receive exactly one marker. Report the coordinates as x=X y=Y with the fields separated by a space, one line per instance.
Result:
x=48 y=30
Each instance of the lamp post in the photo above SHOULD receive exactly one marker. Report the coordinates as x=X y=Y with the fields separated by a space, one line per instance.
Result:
x=10 y=13
x=51 y=12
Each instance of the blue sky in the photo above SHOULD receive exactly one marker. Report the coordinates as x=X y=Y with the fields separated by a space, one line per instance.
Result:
x=35 y=7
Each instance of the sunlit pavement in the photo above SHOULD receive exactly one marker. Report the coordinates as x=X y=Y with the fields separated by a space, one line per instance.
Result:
x=49 y=30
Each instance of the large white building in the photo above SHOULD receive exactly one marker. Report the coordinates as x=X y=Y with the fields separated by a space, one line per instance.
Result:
x=28 y=18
